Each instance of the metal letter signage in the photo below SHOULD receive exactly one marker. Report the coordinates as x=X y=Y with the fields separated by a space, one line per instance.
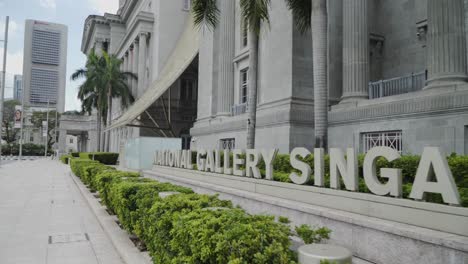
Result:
x=433 y=174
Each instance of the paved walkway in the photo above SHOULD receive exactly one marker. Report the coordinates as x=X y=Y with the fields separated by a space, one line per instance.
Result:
x=44 y=218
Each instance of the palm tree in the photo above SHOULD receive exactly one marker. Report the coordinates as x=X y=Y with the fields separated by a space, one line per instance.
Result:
x=307 y=14
x=116 y=86
x=103 y=81
x=253 y=14
x=89 y=92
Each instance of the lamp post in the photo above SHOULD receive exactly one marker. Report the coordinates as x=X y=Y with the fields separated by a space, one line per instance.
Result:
x=2 y=87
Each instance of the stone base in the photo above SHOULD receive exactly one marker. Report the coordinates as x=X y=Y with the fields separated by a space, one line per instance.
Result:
x=369 y=238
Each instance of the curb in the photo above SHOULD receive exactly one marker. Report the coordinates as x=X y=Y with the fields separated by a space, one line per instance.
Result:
x=119 y=237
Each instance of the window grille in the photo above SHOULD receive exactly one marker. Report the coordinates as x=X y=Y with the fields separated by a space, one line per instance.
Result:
x=244 y=35
x=392 y=139
x=228 y=143
x=244 y=78
x=186 y=5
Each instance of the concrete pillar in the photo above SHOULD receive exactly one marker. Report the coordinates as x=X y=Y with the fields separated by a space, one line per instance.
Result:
x=226 y=65
x=141 y=64
x=62 y=140
x=446 y=43
x=136 y=49
x=355 y=51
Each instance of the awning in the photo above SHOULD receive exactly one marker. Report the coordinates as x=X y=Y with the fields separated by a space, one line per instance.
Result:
x=182 y=56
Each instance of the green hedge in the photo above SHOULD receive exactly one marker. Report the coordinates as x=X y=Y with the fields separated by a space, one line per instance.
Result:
x=64 y=159
x=107 y=158
x=77 y=165
x=75 y=154
x=130 y=199
x=189 y=227
x=90 y=171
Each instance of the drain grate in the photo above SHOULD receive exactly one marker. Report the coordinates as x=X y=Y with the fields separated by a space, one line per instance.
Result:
x=68 y=238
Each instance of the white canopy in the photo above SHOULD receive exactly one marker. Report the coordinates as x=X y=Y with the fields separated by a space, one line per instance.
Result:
x=182 y=56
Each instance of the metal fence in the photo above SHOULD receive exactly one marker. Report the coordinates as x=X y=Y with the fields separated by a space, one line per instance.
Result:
x=399 y=85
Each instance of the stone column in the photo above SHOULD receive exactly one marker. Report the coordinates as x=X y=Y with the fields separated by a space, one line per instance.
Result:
x=355 y=51
x=136 y=49
x=226 y=55
x=130 y=67
x=141 y=64
x=446 y=43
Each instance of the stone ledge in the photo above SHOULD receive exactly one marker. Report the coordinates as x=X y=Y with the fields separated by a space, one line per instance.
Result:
x=402 y=106
x=251 y=189
x=120 y=238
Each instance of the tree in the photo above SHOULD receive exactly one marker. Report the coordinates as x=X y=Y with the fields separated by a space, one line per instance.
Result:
x=103 y=81
x=253 y=13
x=91 y=92
x=8 y=121
x=37 y=118
x=116 y=86
x=307 y=14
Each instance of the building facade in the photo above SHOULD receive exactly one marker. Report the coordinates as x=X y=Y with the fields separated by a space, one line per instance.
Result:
x=44 y=64
x=17 y=87
x=395 y=69
x=143 y=34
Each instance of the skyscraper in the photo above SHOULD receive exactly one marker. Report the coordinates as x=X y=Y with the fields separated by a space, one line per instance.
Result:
x=18 y=87
x=44 y=64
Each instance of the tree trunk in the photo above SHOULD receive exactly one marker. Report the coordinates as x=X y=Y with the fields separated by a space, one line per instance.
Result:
x=252 y=92
x=109 y=118
x=98 y=130
x=319 y=49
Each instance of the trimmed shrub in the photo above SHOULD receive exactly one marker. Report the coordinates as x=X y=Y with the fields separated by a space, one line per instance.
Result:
x=107 y=158
x=103 y=180
x=64 y=159
x=90 y=171
x=77 y=165
x=75 y=154
x=229 y=236
x=155 y=228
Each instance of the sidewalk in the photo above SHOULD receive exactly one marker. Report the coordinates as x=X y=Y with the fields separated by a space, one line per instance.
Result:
x=44 y=218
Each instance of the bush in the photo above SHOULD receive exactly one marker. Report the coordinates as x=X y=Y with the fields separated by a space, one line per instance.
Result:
x=107 y=158
x=75 y=154
x=77 y=165
x=229 y=236
x=90 y=171
x=130 y=199
x=64 y=159
x=29 y=149
x=155 y=228
x=104 y=179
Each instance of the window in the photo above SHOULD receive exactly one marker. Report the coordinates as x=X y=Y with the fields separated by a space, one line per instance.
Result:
x=31 y=139
x=392 y=139
x=188 y=90
x=186 y=5
x=71 y=140
x=244 y=79
x=227 y=143
x=244 y=35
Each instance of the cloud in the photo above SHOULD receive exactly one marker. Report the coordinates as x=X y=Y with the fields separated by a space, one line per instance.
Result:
x=50 y=4
x=104 y=6
x=14 y=28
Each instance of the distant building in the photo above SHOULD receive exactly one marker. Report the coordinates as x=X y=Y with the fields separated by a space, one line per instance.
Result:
x=18 y=87
x=44 y=64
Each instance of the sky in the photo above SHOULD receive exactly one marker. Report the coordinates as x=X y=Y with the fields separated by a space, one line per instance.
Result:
x=71 y=13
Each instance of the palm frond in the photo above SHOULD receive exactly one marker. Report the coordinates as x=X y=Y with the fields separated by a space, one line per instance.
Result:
x=254 y=13
x=205 y=12
x=302 y=11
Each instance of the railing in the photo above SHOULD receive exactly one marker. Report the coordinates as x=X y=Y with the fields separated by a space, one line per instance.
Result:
x=238 y=109
x=399 y=85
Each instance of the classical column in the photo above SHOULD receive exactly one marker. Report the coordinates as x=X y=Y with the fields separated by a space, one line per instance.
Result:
x=130 y=66
x=141 y=64
x=355 y=51
x=136 y=49
x=446 y=43
x=226 y=56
